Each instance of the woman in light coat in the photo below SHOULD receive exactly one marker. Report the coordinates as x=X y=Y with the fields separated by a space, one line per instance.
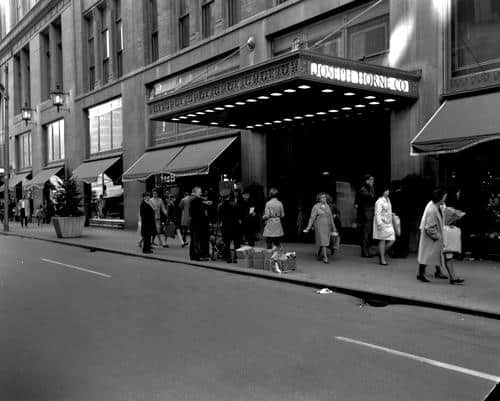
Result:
x=324 y=227
x=430 y=247
x=273 y=213
x=383 y=229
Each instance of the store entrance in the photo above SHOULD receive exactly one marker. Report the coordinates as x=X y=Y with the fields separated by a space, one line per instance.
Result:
x=327 y=156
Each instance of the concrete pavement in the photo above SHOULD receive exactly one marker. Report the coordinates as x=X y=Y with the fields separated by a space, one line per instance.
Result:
x=150 y=330
x=346 y=272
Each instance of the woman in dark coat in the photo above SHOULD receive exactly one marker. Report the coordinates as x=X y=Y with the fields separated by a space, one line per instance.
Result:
x=148 y=224
x=230 y=219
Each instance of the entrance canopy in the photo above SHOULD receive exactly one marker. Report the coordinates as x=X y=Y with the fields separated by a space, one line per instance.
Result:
x=17 y=179
x=91 y=170
x=150 y=163
x=43 y=176
x=196 y=158
x=459 y=124
x=286 y=90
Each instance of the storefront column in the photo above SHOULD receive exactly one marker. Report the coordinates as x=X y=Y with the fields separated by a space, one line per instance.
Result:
x=253 y=158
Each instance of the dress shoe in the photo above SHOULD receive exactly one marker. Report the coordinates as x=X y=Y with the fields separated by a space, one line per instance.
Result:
x=457 y=281
x=440 y=275
x=423 y=279
x=325 y=260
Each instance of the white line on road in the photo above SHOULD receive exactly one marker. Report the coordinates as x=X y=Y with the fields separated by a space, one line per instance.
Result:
x=76 y=267
x=428 y=361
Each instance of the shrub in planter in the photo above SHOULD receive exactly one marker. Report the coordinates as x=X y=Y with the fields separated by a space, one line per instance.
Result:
x=69 y=218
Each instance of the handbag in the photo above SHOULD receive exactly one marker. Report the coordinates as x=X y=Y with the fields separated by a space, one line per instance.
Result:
x=396 y=223
x=170 y=229
x=335 y=242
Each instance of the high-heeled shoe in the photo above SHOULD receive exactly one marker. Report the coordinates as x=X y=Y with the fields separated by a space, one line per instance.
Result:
x=380 y=262
x=457 y=281
x=325 y=259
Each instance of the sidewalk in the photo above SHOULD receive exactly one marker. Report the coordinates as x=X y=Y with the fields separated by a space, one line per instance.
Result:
x=347 y=272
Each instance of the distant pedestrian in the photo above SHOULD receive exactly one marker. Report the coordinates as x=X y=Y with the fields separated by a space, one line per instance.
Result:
x=148 y=225
x=383 y=229
x=198 y=220
x=324 y=227
x=250 y=223
x=229 y=219
x=172 y=227
x=160 y=215
x=39 y=215
x=184 y=205
x=365 y=201
x=273 y=213
x=23 y=207
x=100 y=207
x=430 y=247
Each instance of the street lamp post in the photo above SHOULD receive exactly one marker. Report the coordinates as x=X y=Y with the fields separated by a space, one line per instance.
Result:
x=4 y=96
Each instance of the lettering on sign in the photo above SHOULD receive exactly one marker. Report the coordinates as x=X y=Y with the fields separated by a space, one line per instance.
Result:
x=474 y=81
x=351 y=76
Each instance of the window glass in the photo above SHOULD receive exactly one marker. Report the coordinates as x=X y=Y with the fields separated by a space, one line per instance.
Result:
x=105 y=132
x=368 y=40
x=116 y=119
x=94 y=135
x=61 y=139
x=475 y=33
x=105 y=126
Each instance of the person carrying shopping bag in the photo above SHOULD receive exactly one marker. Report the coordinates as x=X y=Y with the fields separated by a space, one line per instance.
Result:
x=324 y=227
x=383 y=228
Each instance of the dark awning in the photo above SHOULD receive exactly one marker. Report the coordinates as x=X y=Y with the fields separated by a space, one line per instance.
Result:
x=18 y=178
x=285 y=90
x=196 y=158
x=459 y=124
x=43 y=176
x=91 y=170
x=153 y=162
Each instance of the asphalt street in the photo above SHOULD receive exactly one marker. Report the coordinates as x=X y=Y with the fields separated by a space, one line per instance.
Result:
x=84 y=326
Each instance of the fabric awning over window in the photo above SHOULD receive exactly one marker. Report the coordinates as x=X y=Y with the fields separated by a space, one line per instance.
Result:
x=90 y=171
x=196 y=158
x=459 y=124
x=43 y=176
x=16 y=179
x=151 y=163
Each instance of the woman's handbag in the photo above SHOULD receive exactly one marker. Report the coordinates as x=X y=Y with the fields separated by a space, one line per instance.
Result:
x=396 y=223
x=170 y=230
x=335 y=241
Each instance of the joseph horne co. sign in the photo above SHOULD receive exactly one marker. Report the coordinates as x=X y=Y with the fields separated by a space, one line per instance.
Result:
x=302 y=67
x=367 y=79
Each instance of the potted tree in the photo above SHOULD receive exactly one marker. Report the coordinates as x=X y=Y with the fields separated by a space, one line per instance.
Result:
x=69 y=218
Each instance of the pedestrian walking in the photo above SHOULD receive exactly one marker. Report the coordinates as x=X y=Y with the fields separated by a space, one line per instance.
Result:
x=430 y=247
x=383 y=229
x=160 y=214
x=100 y=207
x=324 y=227
x=273 y=213
x=184 y=205
x=366 y=208
x=39 y=215
x=148 y=224
x=23 y=207
x=172 y=228
x=197 y=225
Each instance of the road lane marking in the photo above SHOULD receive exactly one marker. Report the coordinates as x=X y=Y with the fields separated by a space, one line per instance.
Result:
x=76 y=267
x=422 y=359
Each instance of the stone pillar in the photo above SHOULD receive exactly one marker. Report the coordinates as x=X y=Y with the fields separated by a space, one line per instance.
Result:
x=110 y=22
x=25 y=78
x=253 y=158
x=97 y=48
x=167 y=33
x=219 y=18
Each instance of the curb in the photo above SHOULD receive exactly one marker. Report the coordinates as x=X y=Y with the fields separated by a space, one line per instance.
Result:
x=377 y=298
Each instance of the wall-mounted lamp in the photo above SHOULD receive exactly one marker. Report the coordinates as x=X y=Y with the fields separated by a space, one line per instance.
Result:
x=26 y=113
x=58 y=98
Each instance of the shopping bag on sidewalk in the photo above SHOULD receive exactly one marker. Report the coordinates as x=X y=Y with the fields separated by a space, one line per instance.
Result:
x=335 y=241
x=396 y=223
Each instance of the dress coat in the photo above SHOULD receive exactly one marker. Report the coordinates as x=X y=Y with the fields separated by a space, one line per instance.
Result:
x=383 y=228
x=430 y=247
x=322 y=220
x=184 y=205
x=273 y=213
x=147 y=214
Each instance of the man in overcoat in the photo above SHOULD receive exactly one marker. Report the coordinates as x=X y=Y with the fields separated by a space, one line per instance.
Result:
x=365 y=202
x=148 y=225
x=197 y=225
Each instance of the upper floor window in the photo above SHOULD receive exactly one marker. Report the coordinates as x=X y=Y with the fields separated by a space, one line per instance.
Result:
x=89 y=20
x=232 y=12
x=152 y=23
x=105 y=45
x=475 y=30
x=24 y=150
x=55 y=141
x=369 y=39
x=105 y=126
x=207 y=26
x=183 y=24
x=119 y=38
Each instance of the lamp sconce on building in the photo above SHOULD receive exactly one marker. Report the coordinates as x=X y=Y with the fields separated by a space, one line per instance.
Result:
x=59 y=98
x=26 y=113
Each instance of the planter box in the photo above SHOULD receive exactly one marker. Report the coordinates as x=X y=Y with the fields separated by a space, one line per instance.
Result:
x=68 y=227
